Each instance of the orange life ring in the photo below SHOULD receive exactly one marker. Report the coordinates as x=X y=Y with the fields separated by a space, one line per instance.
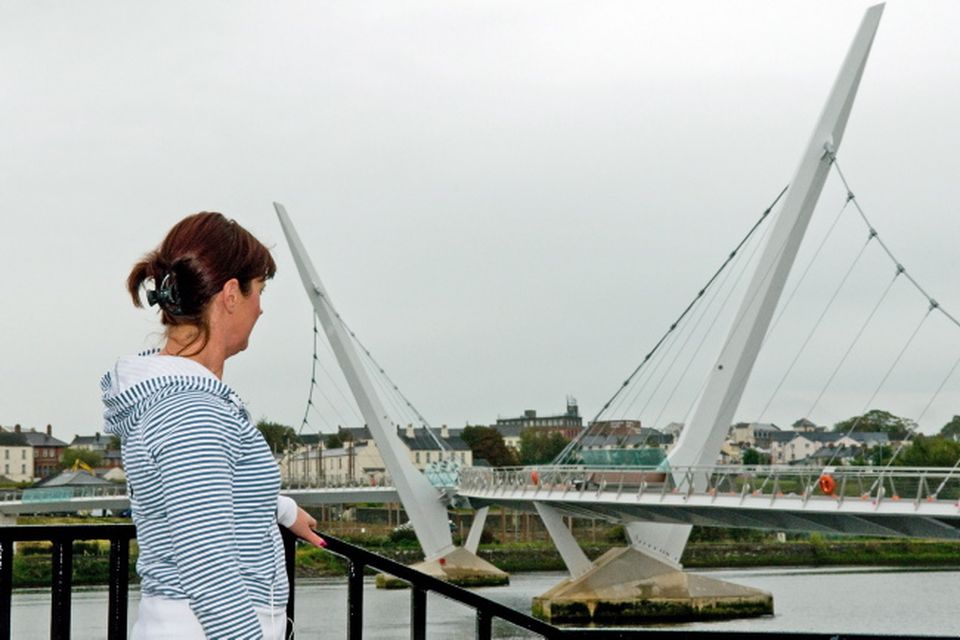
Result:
x=534 y=477
x=827 y=484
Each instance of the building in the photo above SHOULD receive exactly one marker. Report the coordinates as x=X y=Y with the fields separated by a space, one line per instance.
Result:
x=110 y=457
x=359 y=460
x=568 y=424
x=16 y=457
x=754 y=435
x=47 y=450
x=804 y=425
x=98 y=443
x=790 y=447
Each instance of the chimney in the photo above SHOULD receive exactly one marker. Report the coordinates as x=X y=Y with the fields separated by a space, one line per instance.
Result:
x=48 y=431
x=409 y=432
x=16 y=428
x=444 y=431
x=97 y=435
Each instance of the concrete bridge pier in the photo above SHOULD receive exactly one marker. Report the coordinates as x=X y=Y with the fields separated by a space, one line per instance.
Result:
x=629 y=585
x=460 y=565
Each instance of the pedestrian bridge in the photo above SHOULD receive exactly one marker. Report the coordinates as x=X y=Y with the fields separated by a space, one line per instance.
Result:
x=14 y=503
x=913 y=502
x=893 y=501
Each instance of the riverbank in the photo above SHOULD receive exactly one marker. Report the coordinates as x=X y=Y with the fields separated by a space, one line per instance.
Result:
x=31 y=567
x=816 y=552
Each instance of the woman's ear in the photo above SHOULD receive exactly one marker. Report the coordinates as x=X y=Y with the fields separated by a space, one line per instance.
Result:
x=231 y=294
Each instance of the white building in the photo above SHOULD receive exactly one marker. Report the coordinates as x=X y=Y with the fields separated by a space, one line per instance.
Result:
x=359 y=461
x=789 y=447
x=16 y=457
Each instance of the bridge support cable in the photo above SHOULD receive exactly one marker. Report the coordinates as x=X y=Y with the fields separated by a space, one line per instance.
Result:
x=400 y=404
x=853 y=343
x=934 y=305
x=916 y=422
x=856 y=203
x=409 y=409
x=419 y=497
x=315 y=387
x=690 y=328
x=715 y=322
x=893 y=365
x=806 y=269
x=698 y=349
x=816 y=326
x=564 y=454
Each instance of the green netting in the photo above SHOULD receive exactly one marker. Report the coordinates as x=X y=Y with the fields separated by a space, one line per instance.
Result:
x=646 y=457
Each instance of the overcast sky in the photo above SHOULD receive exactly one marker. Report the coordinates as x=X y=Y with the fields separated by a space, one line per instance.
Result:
x=509 y=202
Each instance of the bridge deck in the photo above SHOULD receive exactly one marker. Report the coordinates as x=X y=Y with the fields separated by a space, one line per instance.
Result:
x=905 y=502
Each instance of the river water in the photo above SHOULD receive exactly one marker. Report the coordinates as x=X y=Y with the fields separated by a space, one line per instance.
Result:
x=845 y=600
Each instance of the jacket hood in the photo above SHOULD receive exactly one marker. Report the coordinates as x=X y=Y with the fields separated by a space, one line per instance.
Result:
x=131 y=387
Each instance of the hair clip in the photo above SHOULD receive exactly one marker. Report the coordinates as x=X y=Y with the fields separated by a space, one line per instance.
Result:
x=166 y=296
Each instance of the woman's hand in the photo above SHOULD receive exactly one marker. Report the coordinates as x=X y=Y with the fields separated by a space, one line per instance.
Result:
x=304 y=527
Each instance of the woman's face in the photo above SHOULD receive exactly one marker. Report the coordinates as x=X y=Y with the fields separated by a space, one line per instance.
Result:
x=248 y=311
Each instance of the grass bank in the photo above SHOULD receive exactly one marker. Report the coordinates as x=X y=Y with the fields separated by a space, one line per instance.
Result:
x=730 y=549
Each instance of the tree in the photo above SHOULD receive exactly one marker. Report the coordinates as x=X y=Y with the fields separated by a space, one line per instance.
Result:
x=333 y=441
x=877 y=421
x=930 y=451
x=752 y=456
x=951 y=430
x=89 y=458
x=878 y=456
x=538 y=446
x=487 y=443
x=279 y=437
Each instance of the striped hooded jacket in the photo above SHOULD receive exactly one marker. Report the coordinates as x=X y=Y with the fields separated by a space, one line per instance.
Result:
x=203 y=489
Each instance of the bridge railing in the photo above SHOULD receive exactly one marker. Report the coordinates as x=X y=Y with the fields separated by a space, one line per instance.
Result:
x=917 y=484
x=307 y=482
x=43 y=494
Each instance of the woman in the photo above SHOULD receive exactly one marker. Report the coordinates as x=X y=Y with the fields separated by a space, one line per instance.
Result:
x=203 y=484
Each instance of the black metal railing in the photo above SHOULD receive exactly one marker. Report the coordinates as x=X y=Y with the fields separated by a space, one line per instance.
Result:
x=358 y=561
x=61 y=580
x=487 y=610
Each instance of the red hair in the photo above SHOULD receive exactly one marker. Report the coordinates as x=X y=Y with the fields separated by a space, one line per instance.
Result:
x=196 y=258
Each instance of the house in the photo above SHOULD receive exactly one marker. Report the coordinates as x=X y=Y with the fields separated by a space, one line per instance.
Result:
x=673 y=429
x=96 y=442
x=791 y=446
x=754 y=435
x=831 y=455
x=511 y=435
x=47 y=450
x=803 y=425
x=16 y=457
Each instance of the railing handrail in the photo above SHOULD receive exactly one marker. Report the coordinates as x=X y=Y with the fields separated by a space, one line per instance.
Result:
x=711 y=480
x=855 y=470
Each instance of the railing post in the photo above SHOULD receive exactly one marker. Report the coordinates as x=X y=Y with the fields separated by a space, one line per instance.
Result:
x=62 y=578
x=355 y=600
x=6 y=586
x=484 y=625
x=418 y=613
x=119 y=588
x=290 y=561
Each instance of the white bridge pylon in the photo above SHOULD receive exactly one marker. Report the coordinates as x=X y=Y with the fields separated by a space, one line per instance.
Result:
x=700 y=441
x=423 y=502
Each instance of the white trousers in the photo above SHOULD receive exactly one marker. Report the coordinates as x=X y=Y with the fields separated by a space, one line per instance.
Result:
x=167 y=619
